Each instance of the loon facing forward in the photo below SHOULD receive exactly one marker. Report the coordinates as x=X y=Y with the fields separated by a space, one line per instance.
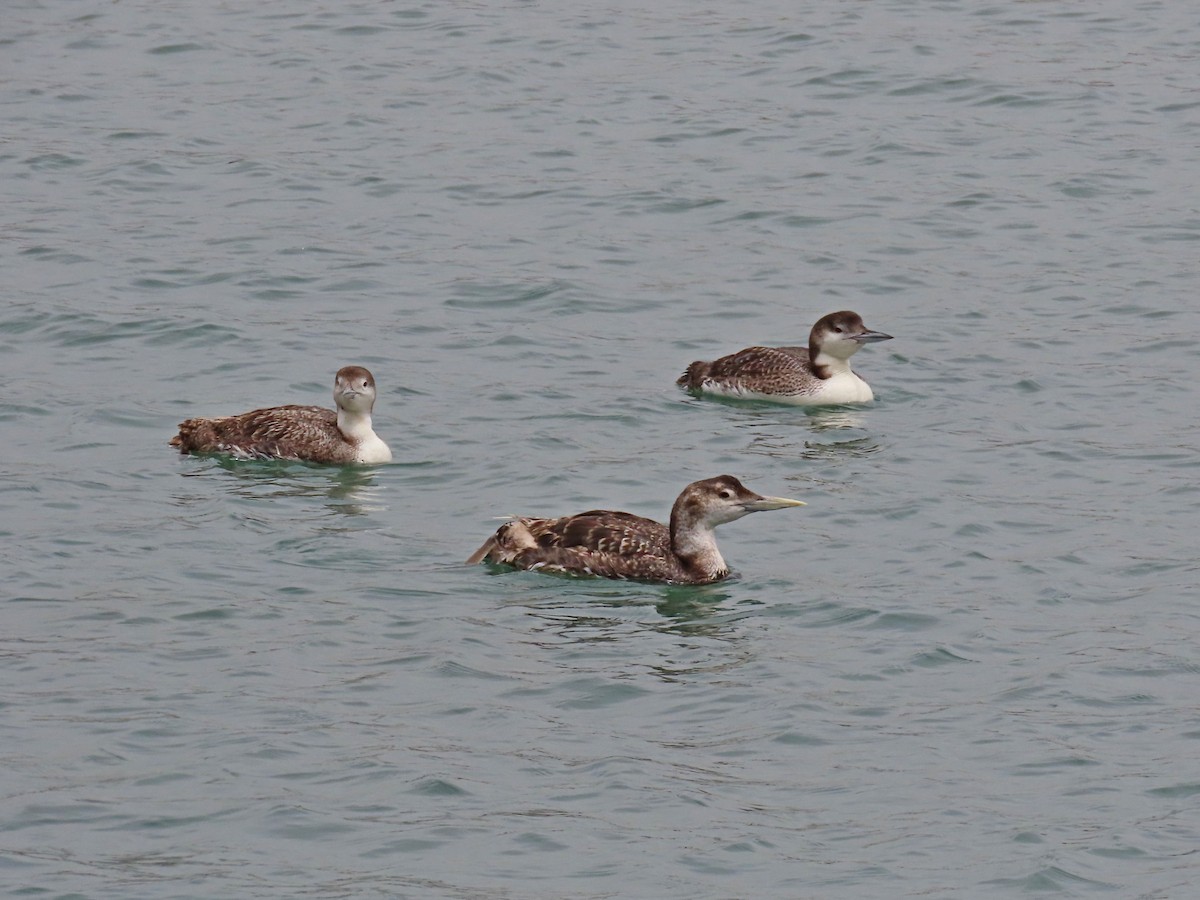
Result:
x=308 y=433
x=817 y=375
x=622 y=545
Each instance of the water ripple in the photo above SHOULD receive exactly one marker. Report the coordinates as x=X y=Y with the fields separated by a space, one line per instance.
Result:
x=964 y=669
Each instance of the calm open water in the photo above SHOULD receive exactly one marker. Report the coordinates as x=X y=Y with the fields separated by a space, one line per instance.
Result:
x=969 y=668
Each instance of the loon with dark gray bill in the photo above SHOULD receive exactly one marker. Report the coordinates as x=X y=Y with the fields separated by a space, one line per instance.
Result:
x=816 y=375
x=303 y=433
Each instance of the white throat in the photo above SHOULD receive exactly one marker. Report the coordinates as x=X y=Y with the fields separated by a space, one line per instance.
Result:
x=836 y=365
x=356 y=428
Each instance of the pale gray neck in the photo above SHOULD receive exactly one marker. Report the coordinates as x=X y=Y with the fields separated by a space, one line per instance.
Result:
x=355 y=426
x=696 y=547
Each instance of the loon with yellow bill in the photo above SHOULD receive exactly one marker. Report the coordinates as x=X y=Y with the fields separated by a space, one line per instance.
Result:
x=621 y=545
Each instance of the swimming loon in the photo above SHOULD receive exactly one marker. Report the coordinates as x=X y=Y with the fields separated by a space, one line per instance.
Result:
x=621 y=545
x=308 y=433
x=818 y=374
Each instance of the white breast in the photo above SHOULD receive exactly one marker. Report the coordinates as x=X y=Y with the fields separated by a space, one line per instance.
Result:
x=372 y=451
x=843 y=387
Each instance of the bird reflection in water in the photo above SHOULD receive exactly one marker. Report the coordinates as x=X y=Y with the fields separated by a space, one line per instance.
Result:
x=349 y=491
x=839 y=432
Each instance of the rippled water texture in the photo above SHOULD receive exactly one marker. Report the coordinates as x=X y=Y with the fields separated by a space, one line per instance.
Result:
x=968 y=668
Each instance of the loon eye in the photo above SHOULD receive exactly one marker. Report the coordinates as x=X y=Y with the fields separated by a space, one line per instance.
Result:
x=726 y=494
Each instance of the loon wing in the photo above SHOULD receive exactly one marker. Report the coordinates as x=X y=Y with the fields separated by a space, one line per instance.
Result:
x=278 y=432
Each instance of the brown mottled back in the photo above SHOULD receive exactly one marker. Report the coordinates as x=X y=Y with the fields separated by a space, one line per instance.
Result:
x=763 y=365
x=603 y=531
x=280 y=432
x=601 y=542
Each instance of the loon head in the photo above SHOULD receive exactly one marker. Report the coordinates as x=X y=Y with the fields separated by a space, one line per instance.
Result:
x=840 y=334
x=354 y=389
x=715 y=501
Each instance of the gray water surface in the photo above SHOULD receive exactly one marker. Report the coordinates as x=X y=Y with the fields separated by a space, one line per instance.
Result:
x=968 y=668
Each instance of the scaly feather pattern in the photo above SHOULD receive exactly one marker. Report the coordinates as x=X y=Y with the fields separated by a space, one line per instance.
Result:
x=279 y=432
x=308 y=433
x=814 y=375
x=614 y=544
